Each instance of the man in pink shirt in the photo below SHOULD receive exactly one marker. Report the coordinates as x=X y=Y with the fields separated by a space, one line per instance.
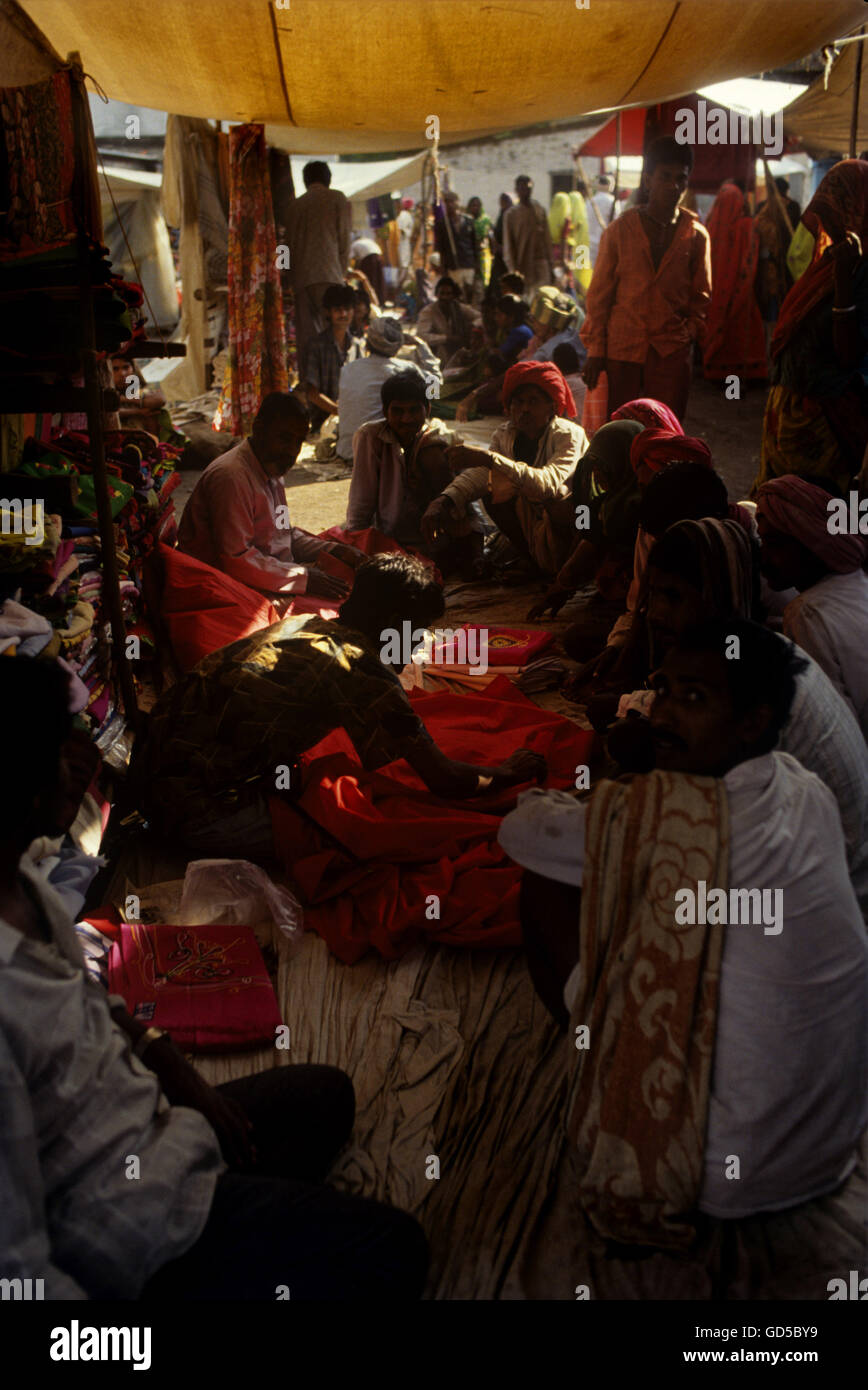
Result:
x=650 y=290
x=237 y=519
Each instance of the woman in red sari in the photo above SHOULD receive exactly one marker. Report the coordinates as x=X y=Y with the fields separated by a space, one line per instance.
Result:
x=734 y=344
x=816 y=419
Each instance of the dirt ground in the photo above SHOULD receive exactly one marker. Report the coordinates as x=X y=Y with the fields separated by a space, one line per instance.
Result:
x=317 y=496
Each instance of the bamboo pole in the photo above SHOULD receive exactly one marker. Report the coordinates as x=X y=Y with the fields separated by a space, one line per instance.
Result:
x=96 y=435
x=857 y=89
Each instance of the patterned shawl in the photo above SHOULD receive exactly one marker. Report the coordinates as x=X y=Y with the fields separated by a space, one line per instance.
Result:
x=648 y=993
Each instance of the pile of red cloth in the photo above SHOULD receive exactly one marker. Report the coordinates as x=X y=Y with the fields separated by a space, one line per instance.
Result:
x=381 y=862
x=204 y=609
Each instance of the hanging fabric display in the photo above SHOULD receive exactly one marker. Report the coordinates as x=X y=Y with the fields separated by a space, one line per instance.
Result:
x=257 y=353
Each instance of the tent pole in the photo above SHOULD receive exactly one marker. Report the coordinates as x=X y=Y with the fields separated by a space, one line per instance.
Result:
x=857 y=86
x=96 y=433
x=617 y=164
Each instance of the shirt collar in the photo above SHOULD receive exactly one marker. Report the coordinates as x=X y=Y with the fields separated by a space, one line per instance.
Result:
x=256 y=467
x=753 y=774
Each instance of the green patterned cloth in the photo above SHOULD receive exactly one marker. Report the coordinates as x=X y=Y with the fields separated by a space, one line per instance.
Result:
x=216 y=739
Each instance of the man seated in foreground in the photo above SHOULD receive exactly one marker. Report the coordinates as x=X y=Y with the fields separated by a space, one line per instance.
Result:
x=399 y=467
x=237 y=521
x=746 y=1009
x=524 y=477
x=227 y=1203
x=708 y=569
x=227 y=736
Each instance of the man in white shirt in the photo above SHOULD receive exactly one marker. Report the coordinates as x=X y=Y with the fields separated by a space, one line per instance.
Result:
x=790 y=1060
x=604 y=202
x=227 y=1202
x=829 y=619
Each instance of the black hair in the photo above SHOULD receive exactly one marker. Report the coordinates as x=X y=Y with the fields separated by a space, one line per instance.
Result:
x=675 y=553
x=316 y=171
x=566 y=357
x=277 y=404
x=361 y=296
x=394 y=587
x=513 y=306
x=403 y=386
x=34 y=703
x=763 y=673
x=339 y=297
x=513 y=277
x=684 y=491
x=446 y=280
x=524 y=178
x=782 y=184
x=666 y=150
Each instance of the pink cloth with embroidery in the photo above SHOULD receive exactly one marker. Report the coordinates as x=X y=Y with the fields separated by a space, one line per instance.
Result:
x=208 y=986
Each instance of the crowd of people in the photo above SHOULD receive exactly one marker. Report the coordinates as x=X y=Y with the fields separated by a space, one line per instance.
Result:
x=721 y=654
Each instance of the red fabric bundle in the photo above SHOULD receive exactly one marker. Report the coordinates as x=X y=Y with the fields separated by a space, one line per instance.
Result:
x=658 y=448
x=204 y=609
x=505 y=646
x=207 y=985
x=379 y=861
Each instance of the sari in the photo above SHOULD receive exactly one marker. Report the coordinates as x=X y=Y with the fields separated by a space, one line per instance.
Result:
x=734 y=342
x=822 y=431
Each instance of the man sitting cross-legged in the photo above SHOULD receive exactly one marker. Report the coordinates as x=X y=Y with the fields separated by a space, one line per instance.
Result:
x=399 y=467
x=236 y=519
x=524 y=478
x=227 y=1202
x=225 y=738
x=724 y=1020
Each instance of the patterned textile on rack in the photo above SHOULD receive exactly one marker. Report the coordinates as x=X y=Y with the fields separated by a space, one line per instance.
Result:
x=257 y=354
x=38 y=167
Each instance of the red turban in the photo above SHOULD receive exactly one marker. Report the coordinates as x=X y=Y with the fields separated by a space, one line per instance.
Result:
x=653 y=415
x=548 y=378
x=801 y=510
x=658 y=448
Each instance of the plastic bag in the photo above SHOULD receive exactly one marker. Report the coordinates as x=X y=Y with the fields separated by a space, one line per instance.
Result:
x=238 y=893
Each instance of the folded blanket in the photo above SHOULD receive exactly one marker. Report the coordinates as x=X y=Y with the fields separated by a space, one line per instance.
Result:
x=207 y=985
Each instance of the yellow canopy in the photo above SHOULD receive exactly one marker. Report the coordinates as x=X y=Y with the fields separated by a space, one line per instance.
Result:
x=821 y=116
x=351 y=76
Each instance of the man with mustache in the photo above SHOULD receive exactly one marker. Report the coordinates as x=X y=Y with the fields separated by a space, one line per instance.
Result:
x=769 y=1029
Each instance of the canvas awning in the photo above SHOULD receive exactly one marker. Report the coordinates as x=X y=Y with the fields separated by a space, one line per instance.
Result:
x=367 y=179
x=350 y=77
x=820 y=117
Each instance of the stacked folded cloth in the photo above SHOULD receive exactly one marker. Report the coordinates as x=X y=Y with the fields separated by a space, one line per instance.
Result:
x=40 y=305
x=57 y=576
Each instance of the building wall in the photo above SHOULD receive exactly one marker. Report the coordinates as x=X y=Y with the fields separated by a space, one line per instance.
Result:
x=490 y=168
